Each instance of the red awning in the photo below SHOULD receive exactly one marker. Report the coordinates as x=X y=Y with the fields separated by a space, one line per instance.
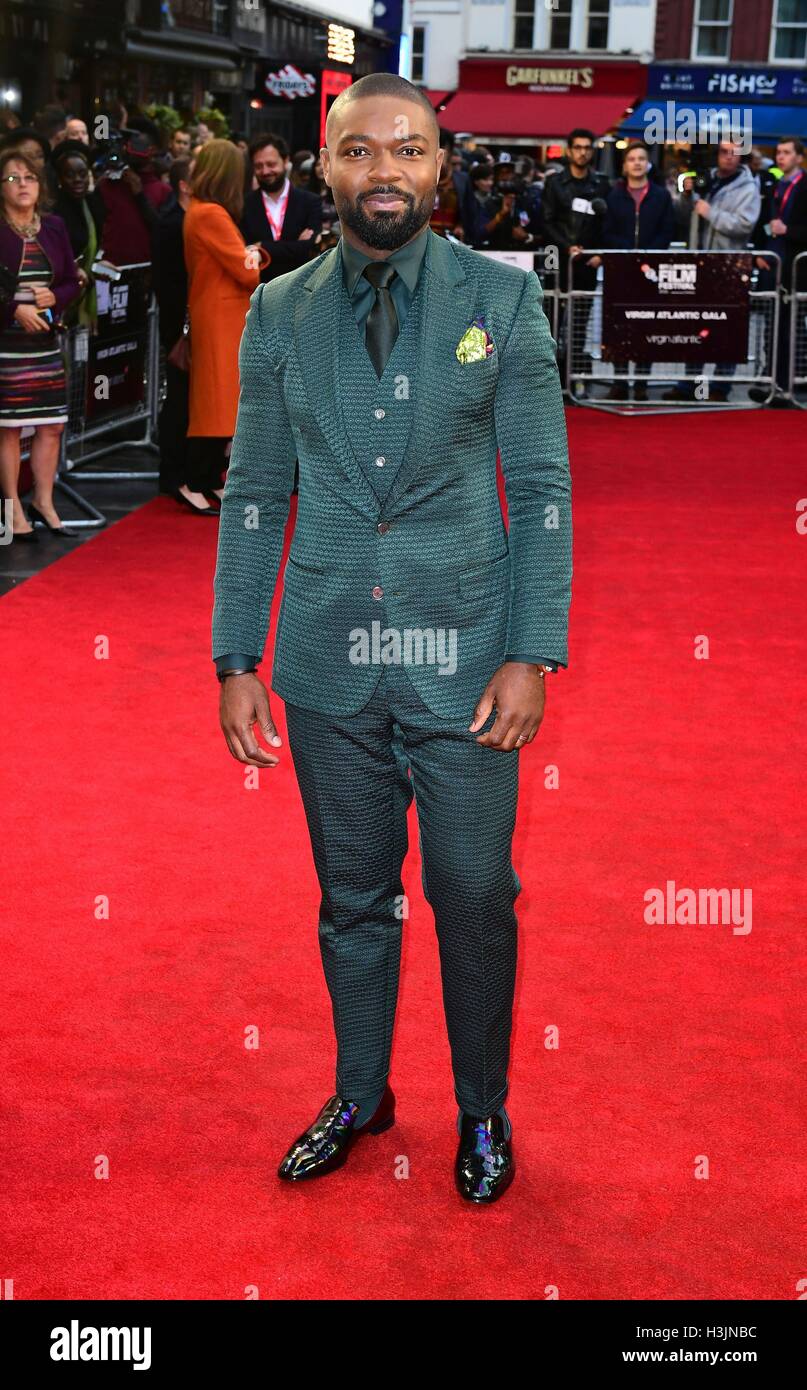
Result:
x=533 y=114
x=435 y=97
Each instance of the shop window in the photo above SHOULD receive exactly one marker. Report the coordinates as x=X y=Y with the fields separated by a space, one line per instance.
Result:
x=418 y=52
x=560 y=25
x=599 y=12
x=712 y=35
x=790 y=30
x=524 y=24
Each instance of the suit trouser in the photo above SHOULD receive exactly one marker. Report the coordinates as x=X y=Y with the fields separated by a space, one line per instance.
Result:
x=352 y=772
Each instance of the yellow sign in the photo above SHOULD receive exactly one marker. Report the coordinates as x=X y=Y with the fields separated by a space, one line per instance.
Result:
x=549 y=77
x=341 y=48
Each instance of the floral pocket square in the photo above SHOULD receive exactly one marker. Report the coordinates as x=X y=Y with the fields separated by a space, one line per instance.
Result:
x=475 y=343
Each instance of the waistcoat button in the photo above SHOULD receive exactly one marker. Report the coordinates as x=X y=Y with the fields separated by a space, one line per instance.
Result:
x=378 y=592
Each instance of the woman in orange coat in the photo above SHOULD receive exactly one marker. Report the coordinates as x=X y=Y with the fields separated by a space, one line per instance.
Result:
x=222 y=274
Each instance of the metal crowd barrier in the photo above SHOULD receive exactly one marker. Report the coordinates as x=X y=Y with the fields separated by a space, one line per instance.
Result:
x=798 y=332
x=83 y=354
x=580 y=343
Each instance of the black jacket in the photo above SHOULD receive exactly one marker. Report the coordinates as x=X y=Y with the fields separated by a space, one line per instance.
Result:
x=652 y=230
x=562 y=225
x=71 y=213
x=303 y=210
x=796 y=238
x=170 y=274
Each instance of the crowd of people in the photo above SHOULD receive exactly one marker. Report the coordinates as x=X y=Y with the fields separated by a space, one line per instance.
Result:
x=214 y=217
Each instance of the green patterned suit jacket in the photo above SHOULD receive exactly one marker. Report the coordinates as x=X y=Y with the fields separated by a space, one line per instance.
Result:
x=436 y=548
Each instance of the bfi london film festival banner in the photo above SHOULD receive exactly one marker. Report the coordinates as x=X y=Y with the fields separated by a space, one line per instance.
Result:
x=690 y=308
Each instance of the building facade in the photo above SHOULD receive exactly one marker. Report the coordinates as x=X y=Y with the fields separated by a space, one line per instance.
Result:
x=744 y=58
x=732 y=31
x=442 y=33
x=265 y=65
x=521 y=73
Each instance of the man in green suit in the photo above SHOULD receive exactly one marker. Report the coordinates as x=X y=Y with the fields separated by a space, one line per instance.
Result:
x=415 y=631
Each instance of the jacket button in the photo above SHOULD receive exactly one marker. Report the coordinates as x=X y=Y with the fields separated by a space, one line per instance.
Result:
x=378 y=592
x=382 y=528
x=379 y=413
x=380 y=461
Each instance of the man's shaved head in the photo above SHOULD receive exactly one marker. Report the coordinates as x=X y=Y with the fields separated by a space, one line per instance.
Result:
x=380 y=84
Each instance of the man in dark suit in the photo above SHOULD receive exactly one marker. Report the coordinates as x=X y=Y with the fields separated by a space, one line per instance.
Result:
x=392 y=368
x=281 y=217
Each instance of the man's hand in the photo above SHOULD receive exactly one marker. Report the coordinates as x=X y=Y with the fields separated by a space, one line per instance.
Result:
x=703 y=209
x=244 y=702
x=306 y=233
x=778 y=227
x=518 y=691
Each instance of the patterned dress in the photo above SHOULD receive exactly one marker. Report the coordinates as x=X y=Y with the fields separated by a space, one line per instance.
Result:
x=33 y=388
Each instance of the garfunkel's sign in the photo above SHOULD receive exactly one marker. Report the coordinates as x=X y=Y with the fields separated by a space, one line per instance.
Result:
x=549 y=79
x=539 y=74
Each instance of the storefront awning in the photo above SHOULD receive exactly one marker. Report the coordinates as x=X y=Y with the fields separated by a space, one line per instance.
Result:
x=530 y=114
x=435 y=97
x=767 y=122
x=155 y=53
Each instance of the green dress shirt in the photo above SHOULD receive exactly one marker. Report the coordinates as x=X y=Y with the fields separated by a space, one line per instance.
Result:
x=408 y=262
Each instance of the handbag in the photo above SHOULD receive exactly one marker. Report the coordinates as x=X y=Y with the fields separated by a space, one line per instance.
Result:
x=180 y=354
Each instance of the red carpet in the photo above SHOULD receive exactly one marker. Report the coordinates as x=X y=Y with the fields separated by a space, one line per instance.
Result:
x=678 y=1045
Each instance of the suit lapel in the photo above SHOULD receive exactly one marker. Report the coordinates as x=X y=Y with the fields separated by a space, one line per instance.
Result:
x=448 y=309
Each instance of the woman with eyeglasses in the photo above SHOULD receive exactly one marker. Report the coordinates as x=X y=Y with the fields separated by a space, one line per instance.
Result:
x=38 y=280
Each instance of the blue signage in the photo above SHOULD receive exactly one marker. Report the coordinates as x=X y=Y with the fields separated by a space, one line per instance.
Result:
x=704 y=83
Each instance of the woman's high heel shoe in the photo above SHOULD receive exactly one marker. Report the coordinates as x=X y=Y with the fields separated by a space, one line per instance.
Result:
x=36 y=515
x=186 y=502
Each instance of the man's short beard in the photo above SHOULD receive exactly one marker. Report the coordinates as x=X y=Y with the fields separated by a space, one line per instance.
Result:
x=385 y=231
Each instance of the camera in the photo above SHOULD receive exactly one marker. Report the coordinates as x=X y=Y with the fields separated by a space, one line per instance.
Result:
x=111 y=159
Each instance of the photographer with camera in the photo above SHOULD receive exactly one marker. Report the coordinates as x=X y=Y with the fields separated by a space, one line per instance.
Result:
x=509 y=220
x=131 y=219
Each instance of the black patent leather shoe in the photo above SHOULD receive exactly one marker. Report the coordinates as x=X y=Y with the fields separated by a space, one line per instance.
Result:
x=326 y=1143
x=485 y=1166
x=34 y=515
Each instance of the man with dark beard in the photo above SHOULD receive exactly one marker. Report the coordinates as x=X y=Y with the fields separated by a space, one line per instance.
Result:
x=285 y=219
x=391 y=368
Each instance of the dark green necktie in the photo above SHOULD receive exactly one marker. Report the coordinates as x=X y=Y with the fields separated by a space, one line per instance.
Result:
x=382 y=321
